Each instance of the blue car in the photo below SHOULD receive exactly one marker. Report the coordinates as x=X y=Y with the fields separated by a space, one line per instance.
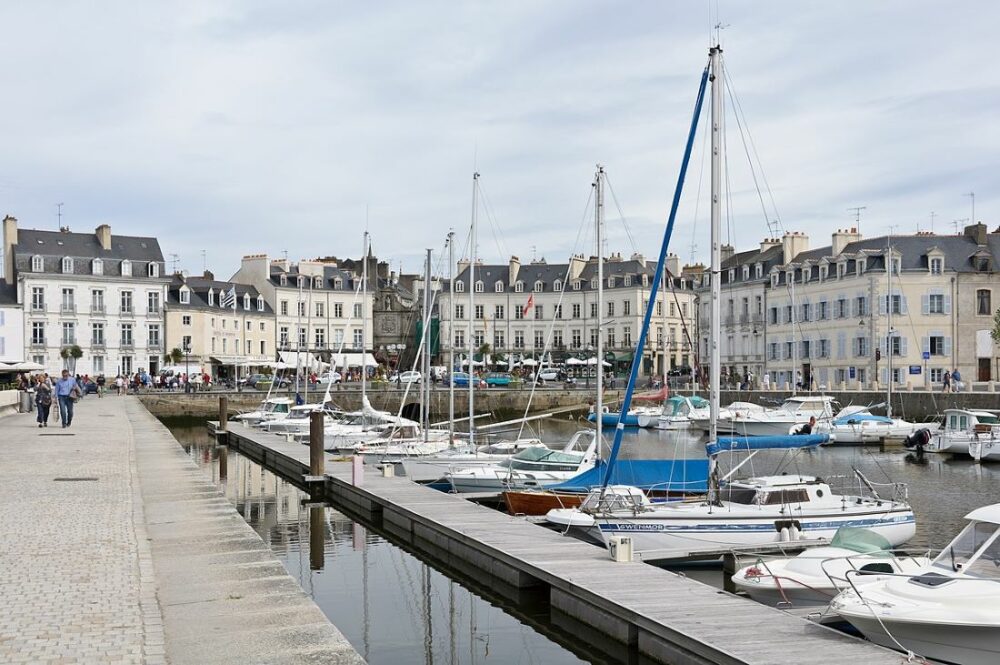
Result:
x=461 y=380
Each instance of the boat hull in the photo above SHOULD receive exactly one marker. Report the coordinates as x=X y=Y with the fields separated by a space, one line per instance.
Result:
x=539 y=503
x=611 y=419
x=968 y=645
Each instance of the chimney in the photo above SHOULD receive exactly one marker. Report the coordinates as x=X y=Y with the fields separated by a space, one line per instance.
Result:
x=727 y=252
x=794 y=243
x=513 y=268
x=209 y=275
x=638 y=258
x=576 y=265
x=9 y=240
x=103 y=233
x=673 y=265
x=768 y=243
x=842 y=238
x=977 y=232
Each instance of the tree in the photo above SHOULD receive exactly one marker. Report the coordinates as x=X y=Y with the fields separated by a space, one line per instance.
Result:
x=175 y=356
x=70 y=354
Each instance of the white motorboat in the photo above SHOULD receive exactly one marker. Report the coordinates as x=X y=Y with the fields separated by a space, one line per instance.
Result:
x=963 y=427
x=815 y=576
x=297 y=422
x=397 y=441
x=855 y=425
x=793 y=412
x=702 y=419
x=533 y=467
x=434 y=467
x=272 y=408
x=948 y=610
x=680 y=411
x=755 y=511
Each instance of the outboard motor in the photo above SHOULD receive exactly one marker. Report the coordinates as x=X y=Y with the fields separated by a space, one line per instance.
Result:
x=917 y=441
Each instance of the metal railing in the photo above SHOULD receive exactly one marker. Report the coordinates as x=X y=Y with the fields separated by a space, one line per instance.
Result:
x=67 y=308
x=98 y=309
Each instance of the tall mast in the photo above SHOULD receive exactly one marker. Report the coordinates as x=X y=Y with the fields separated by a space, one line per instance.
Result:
x=472 y=307
x=451 y=342
x=794 y=319
x=715 y=61
x=364 y=320
x=599 y=223
x=888 y=336
x=425 y=383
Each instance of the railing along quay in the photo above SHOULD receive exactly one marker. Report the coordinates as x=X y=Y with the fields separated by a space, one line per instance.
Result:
x=665 y=617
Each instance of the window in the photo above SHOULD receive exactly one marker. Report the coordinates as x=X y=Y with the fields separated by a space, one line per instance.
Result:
x=498 y=312
x=459 y=339
x=338 y=310
x=320 y=309
x=823 y=272
x=479 y=312
x=862 y=305
x=984 y=302
x=67 y=265
x=97 y=267
x=126 y=365
x=935 y=303
x=479 y=287
x=126 y=302
x=459 y=287
x=68 y=333
x=499 y=342
x=153 y=269
x=806 y=312
x=317 y=282
x=319 y=337
x=263 y=348
x=627 y=308
x=627 y=336
x=558 y=311
x=576 y=310
x=357 y=310
x=789 y=314
x=539 y=312
x=359 y=341
x=283 y=336
x=249 y=326
x=126 y=331
x=246 y=301
x=611 y=308
x=611 y=338
x=896 y=345
x=459 y=311
x=577 y=284
x=283 y=280
x=37 y=333
x=498 y=287
x=822 y=310
x=593 y=310
x=518 y=286
x=518 y=339
x=302 y=337
x=824 y=348
x=153 y=332
x=842 y=308
x=260 y=303
x=593 y=285
x=936 y=345
x=937 y=375
x=518 y=312
x=538 y=286
x=937 y=266
x=153 y=302
x=126 y=268
x=211 y=297
x=185 y=297
x=301 y=307
x=68 y=304
x=186 y=320
x=895 y=303
x=611 y=282
x=577 y=338
x=283 y=308
x=746 y=273
x=772 y=316
x=98 y=363
x=37 y=264
x=861 y=346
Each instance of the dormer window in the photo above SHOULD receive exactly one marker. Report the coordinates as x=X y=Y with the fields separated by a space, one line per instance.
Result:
x=746 y=273
x=577 y=284
x=498 y=287
x=37 y=264
x=896 y=266
x=518 y=286
x=806 y=274
x=593 y=283
x=185 y=296
x=211 y=297
x=539 y=286
x=459 y=287
x=260 y=303
x=338 y=283
x=823 y=271
x=861 y=267
x=126 y=268
x=937 y=266
x=732 y=275
x=841 y=270
x=317 y=282
x=789 y=277
x=557 y=285
x=283 y=280
x=97 y=267
x=611 y=282
x=246 y=301
x=300 y=282
x=758 y=271
x=479 y=286
x=153 y=269
x=645 y=280
x=628 y=280
x=67 y=265
x=774 y=279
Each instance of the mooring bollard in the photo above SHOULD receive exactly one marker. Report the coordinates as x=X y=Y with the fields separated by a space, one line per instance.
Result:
x=357 y=470
x=223 y=414
x=316 y=456
x=223 y=462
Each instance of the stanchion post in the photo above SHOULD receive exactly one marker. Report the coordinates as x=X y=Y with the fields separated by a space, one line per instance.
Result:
x=316 y=457
x=223 y=414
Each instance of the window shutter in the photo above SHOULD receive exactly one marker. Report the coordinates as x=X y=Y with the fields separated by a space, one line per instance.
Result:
x=882 y=307
x=947 y=304
x=902 y=345
x=902 y=305
x=947 y=346
x=925 y=304
x=925 y=344
x=841 y=345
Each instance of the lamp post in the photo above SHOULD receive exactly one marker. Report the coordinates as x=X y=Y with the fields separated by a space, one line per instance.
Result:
x=187 y=368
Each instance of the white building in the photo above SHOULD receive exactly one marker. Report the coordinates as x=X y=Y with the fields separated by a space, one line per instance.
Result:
x=11 y=325
x=100 y=293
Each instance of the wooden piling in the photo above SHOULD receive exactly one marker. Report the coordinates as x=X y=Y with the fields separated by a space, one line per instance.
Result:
x=223 y=414
x=316 y=453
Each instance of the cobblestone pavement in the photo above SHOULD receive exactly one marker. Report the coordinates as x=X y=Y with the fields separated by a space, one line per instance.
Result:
x=76 y=579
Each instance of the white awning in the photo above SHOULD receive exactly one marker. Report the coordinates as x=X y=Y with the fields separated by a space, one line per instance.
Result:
x=352 y=360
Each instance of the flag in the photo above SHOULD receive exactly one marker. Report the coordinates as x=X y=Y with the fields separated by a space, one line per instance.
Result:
x=531 y=303
x=228 y=298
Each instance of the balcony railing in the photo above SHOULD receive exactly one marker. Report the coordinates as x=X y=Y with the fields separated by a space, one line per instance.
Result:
x=38 y=307
x=155 y=312
x=98 y=310
x=127 y=345
x=67 y=308
x=154 y=344
x=68 y=341
x=126 y=311
x=97 y=344
x=37 y=343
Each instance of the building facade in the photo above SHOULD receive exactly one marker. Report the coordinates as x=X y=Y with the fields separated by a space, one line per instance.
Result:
x=218 y=327
x=521 y=310
x=11 y=325
x=88 y=293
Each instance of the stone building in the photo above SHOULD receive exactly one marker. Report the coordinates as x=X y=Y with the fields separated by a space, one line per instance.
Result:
x=11 y=325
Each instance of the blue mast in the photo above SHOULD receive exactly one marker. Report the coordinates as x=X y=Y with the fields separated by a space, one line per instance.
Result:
x=657 y=278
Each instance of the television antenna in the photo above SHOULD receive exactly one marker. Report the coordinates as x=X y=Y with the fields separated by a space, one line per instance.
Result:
x=174 y=259
x=956 y=222
x=59 y=214
x=933 y=215
x=857 y=214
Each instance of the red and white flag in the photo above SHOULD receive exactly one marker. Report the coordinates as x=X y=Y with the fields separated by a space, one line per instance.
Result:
x=531 y=303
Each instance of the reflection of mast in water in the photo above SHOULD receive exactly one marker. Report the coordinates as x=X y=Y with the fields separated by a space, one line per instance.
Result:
x=451 y=621
x=360 y=531
x=428 y=625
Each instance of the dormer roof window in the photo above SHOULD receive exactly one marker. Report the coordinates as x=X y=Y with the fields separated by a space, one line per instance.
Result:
x=557 y=285
x=97 y=267
x=67 y=265
x=185 y=296
x=126 y=268
x=746 y=273
x=260 y=303
x=246 y=301
x=211 y=297
x=538 y=287
x=498 y=286
x=37 y=263
x=628 y=280
x=518 y=286
x=153 y=269
x=283 y=280
x=459 y=287
x=479 y=286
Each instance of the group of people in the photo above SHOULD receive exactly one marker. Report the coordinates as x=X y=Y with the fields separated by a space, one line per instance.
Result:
x=952 y=381
x=63 y=392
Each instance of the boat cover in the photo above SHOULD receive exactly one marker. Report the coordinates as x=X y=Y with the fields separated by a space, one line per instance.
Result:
x=859 y=417
x=749 y=443
x=684 y=475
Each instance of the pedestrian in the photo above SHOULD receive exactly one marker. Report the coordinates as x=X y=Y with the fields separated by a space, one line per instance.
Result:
x=767 y=380
x=946 y=379
x=43 y=399
x=67 y=392
x=100 y=384
x=956 y=381
x=119 y=382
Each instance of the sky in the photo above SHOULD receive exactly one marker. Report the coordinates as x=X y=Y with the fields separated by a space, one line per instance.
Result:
x=238 y=127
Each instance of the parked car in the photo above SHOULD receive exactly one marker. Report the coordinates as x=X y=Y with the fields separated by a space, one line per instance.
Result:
x=330 y=377
x=255 y=380
x=461 y=380
x=550 y=374
x=498 y=379
x=89 y=388
x=411 y=376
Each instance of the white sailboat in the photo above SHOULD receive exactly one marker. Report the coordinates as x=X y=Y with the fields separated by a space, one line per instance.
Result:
x=964 y=428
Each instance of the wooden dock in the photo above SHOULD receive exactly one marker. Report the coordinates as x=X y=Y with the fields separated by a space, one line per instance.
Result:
x=666 y=617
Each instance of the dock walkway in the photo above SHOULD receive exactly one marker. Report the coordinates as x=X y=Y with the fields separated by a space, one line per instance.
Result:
x=665 y=616
x=117 y=549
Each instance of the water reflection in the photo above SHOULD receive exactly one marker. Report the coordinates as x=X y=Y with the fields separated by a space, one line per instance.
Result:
x=391 y=604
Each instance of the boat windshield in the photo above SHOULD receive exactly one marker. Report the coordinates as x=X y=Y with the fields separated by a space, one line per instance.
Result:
x=699 y=402
x=544 y=459
x=859 y=540
x=988 y=420
x=280 y=408
x=742 y=495
x=956 y=556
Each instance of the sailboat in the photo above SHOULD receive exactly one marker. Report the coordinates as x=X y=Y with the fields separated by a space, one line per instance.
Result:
x=755 y=511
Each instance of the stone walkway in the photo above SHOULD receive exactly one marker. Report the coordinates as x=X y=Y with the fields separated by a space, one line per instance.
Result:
x=115 y=549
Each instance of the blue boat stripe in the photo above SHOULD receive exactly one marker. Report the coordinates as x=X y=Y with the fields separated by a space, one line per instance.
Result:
x=751 y=528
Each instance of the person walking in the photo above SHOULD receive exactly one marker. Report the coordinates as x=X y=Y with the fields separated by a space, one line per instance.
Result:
x=100 y=385
x=956 y=381
x=946 y=379
x=67 y=392
x=43 y=399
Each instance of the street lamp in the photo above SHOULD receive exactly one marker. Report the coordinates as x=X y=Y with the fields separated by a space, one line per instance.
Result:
x=187 y=368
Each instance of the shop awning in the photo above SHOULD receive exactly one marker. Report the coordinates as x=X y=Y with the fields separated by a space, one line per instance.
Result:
x=352 y=360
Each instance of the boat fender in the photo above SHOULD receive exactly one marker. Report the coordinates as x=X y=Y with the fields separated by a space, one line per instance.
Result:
x=785 y=534
x=793 y=532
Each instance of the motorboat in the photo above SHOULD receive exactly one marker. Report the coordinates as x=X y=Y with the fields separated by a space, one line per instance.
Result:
x=752 y=512
x=532 y=467
x=298 y=420
x=794 y=412
x=434 y=467
x=947 y=610
x=631 y=419
x=702 y=420
x=680 y=411
x=272 y=408
x=815 y=576
x=961 y=428
x=398 y=441
x=858 y=426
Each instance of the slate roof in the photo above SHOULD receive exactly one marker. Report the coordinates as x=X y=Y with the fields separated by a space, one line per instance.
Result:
x=8 y=293
x=548 y=273
x=200 y=287
x=770 y=257
x=349 y=281
x=53 y=246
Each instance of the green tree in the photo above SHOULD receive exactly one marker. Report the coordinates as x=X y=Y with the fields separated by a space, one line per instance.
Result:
x=175 y=356
x=70 y=354
x=995 y=332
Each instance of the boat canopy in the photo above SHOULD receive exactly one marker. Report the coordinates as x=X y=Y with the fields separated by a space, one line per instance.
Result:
x=685 y=475
x=989 y=513
x=750 y=443
x=853 y=418
x=860 y=540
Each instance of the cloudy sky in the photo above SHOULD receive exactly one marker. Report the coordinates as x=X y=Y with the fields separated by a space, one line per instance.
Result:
x=244 y=127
